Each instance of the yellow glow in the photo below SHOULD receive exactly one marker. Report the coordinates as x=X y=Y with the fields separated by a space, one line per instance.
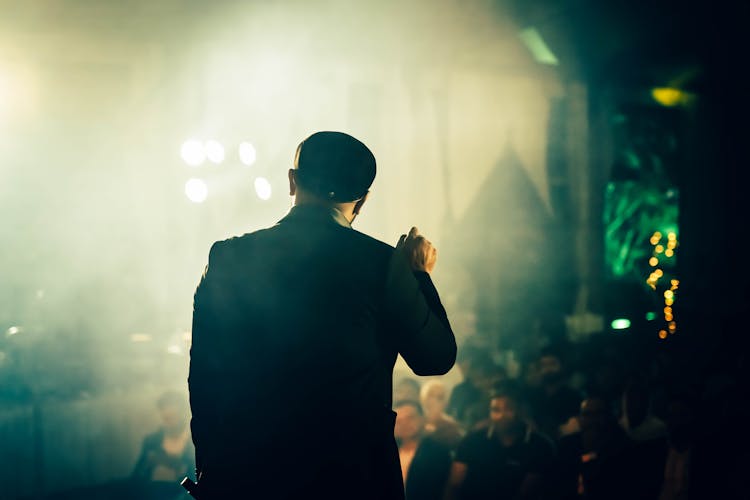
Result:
x=659 y=248
x=669 y=302
x=668 y=317
x=672 y=326
x=662 y=334
x=668 y=294
x=667 y=310
x=671 y=237
x=669 y=252
x=671 y=244
x=667 y=96
x=659 y=273
x=653 y=261
x=675 y=283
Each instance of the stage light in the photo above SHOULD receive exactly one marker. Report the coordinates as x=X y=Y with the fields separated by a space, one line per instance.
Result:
x=193 y=152
x=620 y=324
x=262 y=188
x=247 y=153
x=214 y=151
x=14 y=330
x=196 y=190
x=667 y=96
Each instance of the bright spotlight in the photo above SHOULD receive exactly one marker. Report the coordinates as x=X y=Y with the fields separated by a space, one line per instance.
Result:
x=196 y=190
x=13 y=330
x=247 y=153
x=262 y=188
x=214 y=151
x=193 y=152
x=620 y=324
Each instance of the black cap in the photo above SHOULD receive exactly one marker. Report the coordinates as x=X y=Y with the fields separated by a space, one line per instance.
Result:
x=334 y=166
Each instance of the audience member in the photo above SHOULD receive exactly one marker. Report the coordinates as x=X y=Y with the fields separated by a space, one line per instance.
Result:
x=554 y=405
x=167 y=454
x=406 y=388
x=438 y=424
x=596 y=463
x=425 y=461
x=648 y=433
x=505 y=459
x=469 y=399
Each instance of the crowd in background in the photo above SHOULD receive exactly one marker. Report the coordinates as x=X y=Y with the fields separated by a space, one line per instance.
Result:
x=556 y=428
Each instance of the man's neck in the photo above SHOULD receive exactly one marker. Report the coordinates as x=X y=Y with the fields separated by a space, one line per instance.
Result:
x=346 y=209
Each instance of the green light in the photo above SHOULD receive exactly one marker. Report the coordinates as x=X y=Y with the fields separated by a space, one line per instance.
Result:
x=650 y=316
x=620 y=324
x=534 y=42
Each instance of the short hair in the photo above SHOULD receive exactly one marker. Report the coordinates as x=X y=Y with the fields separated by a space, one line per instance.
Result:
x=508 y=389
x=334 y=166
x=409 y=402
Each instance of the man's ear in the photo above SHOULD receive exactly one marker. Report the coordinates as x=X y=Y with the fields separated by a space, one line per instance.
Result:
x=292 y=182
x=360 y=202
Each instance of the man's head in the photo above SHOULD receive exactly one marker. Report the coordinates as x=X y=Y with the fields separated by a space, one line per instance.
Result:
x=409 y=420
x=551 y=366
x=332 y=167
x=596 y=415
x=506 y=406
x=406 y=388
x=434 y=398
x=173 y=410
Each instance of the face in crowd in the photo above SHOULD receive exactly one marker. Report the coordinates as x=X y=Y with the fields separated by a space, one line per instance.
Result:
x=409 y=422
x=504 y=413
x=434 y=399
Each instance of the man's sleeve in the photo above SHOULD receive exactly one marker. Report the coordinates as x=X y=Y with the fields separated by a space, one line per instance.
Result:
x=419 y=323
x=204 y=359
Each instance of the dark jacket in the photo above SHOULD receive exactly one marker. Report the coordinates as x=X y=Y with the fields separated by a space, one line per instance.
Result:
x=296 y=329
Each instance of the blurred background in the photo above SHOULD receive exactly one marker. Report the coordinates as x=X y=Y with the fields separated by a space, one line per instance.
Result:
x=577 y=163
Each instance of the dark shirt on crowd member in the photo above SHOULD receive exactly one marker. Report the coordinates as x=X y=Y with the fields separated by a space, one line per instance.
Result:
x=156 y=464
x=428 y=471
x=498 y=471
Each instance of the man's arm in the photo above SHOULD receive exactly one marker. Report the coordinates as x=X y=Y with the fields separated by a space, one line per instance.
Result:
x=422 y=331
x=455 y=480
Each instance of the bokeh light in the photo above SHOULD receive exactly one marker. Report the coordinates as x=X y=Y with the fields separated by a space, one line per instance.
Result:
x=193 y=152
x=196 y=190
x=263 y=188
x=247 y=153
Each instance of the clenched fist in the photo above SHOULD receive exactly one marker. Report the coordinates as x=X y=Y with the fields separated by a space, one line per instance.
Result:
x=418 y=250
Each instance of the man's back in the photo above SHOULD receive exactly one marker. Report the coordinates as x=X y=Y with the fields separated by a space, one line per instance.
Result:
x=296 y=330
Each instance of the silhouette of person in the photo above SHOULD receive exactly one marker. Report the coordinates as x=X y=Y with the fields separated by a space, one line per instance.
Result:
x=296 y=330
x=167 y=454
x=425 y=461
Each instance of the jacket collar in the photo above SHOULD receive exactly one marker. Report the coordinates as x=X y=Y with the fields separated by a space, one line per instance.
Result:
x=310 y=212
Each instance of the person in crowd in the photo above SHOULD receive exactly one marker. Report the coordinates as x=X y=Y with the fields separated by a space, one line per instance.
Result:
x=554 y=404
x=438 y=424
x=469 y=398
x=296 y=331
x=406 y=387
x=597 y=462
x=505 y=459
x=682 y=437
x=648 y=433
x=167 y=454
x=425 y=461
